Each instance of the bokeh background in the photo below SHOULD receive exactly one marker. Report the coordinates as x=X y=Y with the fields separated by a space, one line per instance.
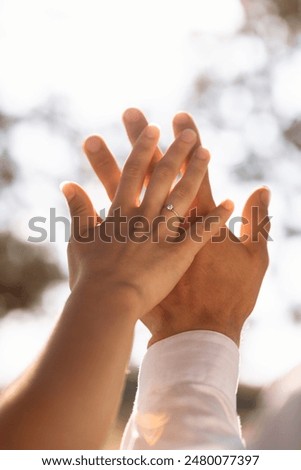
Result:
x=70 y=68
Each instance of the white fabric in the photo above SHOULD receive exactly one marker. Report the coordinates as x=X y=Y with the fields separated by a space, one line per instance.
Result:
x=186 y=397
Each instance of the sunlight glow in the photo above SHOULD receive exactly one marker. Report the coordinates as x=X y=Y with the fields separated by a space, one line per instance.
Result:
x=103 y=56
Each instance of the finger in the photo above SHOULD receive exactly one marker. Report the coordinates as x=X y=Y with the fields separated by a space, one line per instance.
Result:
x=203 y=229
x=83 y=215
x=204 y=199
x=103 y=163
x=134 y=122
x=187 y=188
x=256 y=222
x=183 y=121
x=135 y=169
x=165 y=173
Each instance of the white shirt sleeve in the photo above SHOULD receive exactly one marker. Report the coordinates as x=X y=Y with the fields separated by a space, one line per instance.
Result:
x=186 y=397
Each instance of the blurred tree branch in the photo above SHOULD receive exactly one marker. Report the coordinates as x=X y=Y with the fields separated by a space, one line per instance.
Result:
x=25 y=271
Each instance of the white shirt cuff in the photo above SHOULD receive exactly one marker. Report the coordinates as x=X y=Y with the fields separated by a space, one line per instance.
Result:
x=199 y=357
x=186 y=397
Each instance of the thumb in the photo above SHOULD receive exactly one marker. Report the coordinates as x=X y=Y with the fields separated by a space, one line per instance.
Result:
x=83 y=214
x=256 y=221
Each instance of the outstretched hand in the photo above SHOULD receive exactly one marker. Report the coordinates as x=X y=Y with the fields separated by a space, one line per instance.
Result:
x=137 y=250
x=220 y=288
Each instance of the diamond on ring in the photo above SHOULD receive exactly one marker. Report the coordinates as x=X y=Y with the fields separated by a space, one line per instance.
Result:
x=170 y=207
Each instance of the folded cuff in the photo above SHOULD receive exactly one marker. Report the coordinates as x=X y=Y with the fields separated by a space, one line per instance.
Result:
x=199 y=357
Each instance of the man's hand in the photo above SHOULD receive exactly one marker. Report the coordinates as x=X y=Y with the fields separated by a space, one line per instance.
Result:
x=114 y=254
x=219 y=290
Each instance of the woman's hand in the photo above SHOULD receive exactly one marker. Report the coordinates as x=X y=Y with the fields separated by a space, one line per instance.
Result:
x=141 y=251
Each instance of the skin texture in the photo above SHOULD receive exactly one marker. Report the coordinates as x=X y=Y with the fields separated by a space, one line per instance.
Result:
x=69 y=397
x=219 y=290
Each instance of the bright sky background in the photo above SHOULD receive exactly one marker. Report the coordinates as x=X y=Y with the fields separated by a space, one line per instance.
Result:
x=103 y=56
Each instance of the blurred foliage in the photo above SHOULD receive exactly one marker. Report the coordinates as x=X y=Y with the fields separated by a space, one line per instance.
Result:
x=261 y=13
x=8 y=169
x=235 y=94
x=53 y=113
x=25 y=271
x=296 y=313
x=293 y=133
x=246 y=92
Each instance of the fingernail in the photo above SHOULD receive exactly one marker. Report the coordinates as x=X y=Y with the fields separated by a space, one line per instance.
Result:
x=131 y=114
x=188 y=136
x=228 y=205
x=93 y=144
x=181 y=118
x=202 y=154
x=265 y=196
x=67 y=189
x=151 y=132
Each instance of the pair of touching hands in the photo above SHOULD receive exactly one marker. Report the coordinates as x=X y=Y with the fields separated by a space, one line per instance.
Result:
x=179 y=276
x=173 y=283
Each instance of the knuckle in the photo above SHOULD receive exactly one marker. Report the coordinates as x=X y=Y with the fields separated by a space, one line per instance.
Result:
x=132 y=170
x=165 y=171
x=199 y=165
x=183 y=147
x=103 y=163
x=144 y=145
x=181 y=191
x=77 y=206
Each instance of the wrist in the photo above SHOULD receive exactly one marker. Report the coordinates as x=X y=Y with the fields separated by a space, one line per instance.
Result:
x=232 y=333
x=119 y=301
